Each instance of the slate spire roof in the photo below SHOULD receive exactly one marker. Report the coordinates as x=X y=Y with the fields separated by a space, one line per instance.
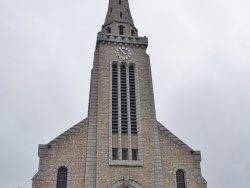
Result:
x=119 y=11
x=119 y=15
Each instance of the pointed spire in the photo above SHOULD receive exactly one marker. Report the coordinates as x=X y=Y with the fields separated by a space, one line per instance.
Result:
x=119 y=20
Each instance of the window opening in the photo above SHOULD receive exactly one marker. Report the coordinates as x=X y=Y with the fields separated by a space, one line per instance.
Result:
x=120 y=2
x=180 y=179
x=62 y=178
x=121 y=30
x=132 y=32
x=134 y=154
x=124 y=154
x=111 y=9
x=114 y=99
x=115 y=154
x=124 y=118
x=128 y=11
x=120 y=14
x=108 y=29
x=133 y=120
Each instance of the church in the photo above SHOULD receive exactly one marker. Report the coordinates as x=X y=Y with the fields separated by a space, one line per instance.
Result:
x=120 y=144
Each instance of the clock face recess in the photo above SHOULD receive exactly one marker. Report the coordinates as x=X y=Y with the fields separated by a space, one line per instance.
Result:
x=123 y=53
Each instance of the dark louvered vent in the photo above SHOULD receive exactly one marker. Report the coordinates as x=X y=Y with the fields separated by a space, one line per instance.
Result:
x=132 y=100
x=124 y=117
x=114 y=99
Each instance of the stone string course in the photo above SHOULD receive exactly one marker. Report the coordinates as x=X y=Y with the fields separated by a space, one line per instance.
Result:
x=132 y=41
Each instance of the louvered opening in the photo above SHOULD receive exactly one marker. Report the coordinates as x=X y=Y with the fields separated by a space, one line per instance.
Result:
x=123 y=85
x=133 y=119
x=114 y=99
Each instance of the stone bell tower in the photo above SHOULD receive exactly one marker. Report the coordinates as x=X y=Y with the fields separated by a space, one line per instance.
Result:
x=120 y=143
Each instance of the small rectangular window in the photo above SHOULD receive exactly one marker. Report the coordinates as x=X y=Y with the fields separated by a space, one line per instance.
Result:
x=124 y=154
x=115 y=154
x=132 y=32
x=134 y=154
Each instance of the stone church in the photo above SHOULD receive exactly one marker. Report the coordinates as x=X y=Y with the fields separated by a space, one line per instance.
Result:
x=120 y=144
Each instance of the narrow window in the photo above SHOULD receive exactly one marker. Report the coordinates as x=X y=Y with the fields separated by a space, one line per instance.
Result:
x=120 y=14
x=132 y=32
x=108 y=29
x=115 y=154
x=134 y=154
x=114 y=99
x=128 y=11
x=62 y=178
x=121 y=30
x=133 y=120
x=180 y=179
x=124 y=154
x=120 y=2
x=123 y=89
x=111 y=9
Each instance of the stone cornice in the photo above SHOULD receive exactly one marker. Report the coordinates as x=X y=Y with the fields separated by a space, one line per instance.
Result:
x=104 y=37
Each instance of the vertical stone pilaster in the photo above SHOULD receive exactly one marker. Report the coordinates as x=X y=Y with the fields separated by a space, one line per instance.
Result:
x=119 y=113
x=159 y=183
x=138 y=111
x=90 y=172
x=128 y=112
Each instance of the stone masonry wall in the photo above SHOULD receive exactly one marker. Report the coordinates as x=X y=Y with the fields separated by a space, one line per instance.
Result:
x=177 y=155
x=68 y=151
x=163 y=153
x=106 y=174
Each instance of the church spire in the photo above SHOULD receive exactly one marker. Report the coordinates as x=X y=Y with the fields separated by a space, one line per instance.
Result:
x=119 y=20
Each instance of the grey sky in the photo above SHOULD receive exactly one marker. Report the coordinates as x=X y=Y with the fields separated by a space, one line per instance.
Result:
x=201 y=73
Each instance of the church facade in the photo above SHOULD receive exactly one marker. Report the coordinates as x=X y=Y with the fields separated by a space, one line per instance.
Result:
x=120 y=143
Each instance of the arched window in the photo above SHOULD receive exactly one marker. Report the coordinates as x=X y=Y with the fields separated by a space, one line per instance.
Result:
x=62 y=178
x=180 y=179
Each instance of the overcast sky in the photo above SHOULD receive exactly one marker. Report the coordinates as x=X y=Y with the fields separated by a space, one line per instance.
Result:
x=200 y=57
